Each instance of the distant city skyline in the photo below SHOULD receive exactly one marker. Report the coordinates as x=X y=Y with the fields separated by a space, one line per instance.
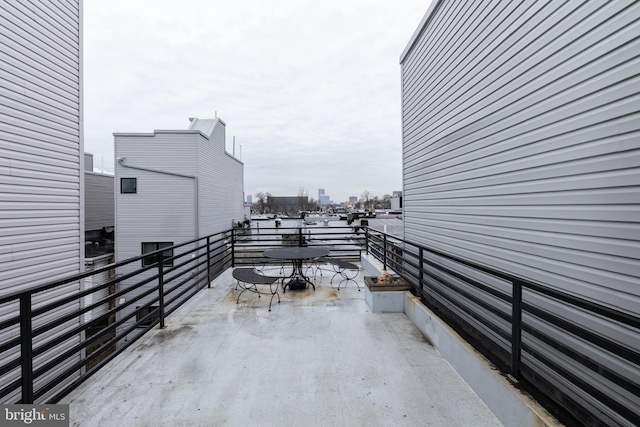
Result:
x=311 y=92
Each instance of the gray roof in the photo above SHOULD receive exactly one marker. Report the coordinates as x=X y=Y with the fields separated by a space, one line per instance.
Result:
x=203 y=125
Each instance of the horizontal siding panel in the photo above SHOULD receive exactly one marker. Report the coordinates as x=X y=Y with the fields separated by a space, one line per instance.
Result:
x=47 y=71
x=38 y=124
x=24 y=248
x=608 y=196
x=39 y=233
x=65 y=187
x=33 y=174
x=39 y=49
x=20 y=258
x=569 y=225
x=38 y=213
x=613 y=255
x=543 y=68
x=614 y=290
x=34 y=86
x=38 y=153
x=55 y=10
x=498 y=159
x=25 y=278
x=99 y=201
x=43 y=28
x=22 y=104
x=626 y=214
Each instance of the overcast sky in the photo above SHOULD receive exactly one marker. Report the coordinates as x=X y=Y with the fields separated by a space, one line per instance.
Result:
x=309 y=89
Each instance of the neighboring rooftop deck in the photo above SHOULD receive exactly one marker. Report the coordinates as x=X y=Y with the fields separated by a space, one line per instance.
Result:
x=318 y=358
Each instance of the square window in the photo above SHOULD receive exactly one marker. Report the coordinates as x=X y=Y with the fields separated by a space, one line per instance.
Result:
x=128 y=185
x=165 y=255
x=143 y=311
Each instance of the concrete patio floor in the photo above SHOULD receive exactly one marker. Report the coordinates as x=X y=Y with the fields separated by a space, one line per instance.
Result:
x=319 y=358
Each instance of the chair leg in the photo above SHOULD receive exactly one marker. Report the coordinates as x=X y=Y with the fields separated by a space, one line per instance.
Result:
x=274 y=293
x=346 y=278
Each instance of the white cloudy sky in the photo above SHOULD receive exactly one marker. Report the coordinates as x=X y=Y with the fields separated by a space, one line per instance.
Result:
x=310 y=89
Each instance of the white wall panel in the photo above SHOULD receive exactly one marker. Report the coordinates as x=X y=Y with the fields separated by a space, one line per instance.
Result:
x=41 y=148
x=521 y=147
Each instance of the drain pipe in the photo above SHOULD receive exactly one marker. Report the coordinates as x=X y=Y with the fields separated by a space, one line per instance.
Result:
x=195 y=182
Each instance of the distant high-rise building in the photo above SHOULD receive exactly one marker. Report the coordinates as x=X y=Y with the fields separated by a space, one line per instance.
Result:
x=250 y=199
x=353 y=199
x=323 y=200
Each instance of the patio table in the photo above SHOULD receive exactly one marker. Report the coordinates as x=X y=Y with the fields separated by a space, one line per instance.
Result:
x=297 y=255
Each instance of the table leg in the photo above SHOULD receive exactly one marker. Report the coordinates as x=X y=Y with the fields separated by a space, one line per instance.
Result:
x=297 y=279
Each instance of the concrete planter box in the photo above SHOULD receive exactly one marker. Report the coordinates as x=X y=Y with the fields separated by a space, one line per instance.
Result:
x=385 y=298
x=396 y=285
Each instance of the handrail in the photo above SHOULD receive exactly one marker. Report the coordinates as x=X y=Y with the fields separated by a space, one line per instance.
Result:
x=139 y=298
x=489 y=307
x=446 y=283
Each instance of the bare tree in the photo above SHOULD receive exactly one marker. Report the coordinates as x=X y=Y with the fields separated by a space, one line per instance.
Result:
x=376 y=202
x=269 y=204
x=366 y=195
x=302 y=199
x=386 y=201
x=261 y=200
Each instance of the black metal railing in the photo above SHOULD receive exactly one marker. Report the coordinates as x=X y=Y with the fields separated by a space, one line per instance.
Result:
x=49 y=346
x=543 y=337
x=249 y=245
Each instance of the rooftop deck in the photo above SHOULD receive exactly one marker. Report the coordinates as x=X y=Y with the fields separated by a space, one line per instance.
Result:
x=318 y=358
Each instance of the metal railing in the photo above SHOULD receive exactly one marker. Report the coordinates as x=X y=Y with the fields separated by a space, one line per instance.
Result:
x=342 y=241
x=48 y=347
x=543 y=337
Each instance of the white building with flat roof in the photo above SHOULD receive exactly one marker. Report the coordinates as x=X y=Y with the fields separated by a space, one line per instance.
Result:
x=173 y=186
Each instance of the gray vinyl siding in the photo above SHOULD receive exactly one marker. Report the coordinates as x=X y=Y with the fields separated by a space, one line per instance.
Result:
x=221 y=183
x=165 y=207
x=521 y=149
x=98 y=201
x=95 y=281
x=41 y=155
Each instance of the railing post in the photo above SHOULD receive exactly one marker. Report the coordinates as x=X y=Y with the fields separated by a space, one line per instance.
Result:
x=299 y=236
x=516 y=328
x=233 y=249
x=421 y=271
x=384 y=251
x=161 y=291
x=366 y=239
x=208 y=261
x=26 y=348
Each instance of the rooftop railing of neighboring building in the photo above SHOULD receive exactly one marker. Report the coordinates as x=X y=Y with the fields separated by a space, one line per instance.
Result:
x=562 y=346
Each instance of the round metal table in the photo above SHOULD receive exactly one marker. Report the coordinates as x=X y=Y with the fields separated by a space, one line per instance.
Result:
x=297 y=255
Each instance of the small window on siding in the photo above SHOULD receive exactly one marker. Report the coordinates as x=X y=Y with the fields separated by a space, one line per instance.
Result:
x=165 y=255
x=144 y=311
x=128 y=185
